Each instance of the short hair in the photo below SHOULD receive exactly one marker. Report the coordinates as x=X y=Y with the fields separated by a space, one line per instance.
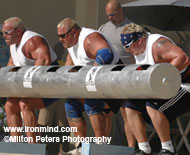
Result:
x=132 y=27
x=68 y=24
x=16 y=22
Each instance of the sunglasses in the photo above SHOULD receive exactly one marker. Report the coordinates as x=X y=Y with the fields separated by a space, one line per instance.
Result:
x=64 y=35
x=113 y=14
x=8 y=32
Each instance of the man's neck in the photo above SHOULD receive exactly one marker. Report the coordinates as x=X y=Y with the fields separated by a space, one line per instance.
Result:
x=19 y=38
x=122 y=18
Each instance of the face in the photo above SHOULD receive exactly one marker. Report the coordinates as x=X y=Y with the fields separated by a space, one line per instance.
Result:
x=113 y=15
x=65 y=37
x=136 y=48
x=9 y=34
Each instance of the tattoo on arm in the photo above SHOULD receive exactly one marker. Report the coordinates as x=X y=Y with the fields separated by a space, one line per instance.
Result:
x=160 y=43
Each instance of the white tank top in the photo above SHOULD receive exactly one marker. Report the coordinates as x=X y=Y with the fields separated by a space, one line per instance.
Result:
x=78 y=54
x=147 y=57
x=19 y=58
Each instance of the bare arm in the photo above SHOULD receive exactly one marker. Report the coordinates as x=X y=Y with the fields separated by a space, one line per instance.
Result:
x=93 y=43
x=37 y=49
x=165 y=51
x=10 y=62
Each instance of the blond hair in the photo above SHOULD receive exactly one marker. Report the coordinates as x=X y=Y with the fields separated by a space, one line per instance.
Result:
x=131 y=28
x=16 y=22
x=68 y=24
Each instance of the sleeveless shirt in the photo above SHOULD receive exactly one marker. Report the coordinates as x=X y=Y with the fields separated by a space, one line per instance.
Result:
x=146 y=57
x=78 y=53
x=19 y=59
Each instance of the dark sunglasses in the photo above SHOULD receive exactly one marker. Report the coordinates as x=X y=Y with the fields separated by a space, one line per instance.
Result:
x=63 y=35
x=113 y=14
x=8 y=32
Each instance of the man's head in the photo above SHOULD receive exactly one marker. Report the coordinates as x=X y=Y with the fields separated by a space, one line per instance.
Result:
x=68 y=32
x=13 y=29
x=133 y=38
x=114 y=12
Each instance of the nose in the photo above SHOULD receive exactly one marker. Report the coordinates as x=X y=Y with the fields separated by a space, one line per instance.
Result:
x=60 y=39
x=4 y=35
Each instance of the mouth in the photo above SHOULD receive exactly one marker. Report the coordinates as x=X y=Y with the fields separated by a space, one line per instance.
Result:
x=7 y=41
x=63 y=44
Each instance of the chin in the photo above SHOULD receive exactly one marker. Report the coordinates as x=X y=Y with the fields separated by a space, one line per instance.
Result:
x=64 y=46
x=113 y=22
x=7 y=42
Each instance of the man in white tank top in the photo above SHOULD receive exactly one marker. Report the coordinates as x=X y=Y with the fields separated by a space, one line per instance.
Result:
x=151 y=49
x=26 y=48
x=86 y=47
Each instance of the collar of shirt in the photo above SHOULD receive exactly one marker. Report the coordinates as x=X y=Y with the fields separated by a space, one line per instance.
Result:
x=124 y=22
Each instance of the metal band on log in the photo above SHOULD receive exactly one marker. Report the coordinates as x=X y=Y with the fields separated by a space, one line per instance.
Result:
x=160 y=81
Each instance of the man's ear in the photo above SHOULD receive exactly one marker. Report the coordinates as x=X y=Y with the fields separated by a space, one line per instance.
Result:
x=73 y=32
x=19 y=31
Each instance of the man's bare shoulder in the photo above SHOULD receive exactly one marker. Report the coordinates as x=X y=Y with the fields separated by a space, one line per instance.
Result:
x=95 y=36
x=35 y=41
x=162 y=42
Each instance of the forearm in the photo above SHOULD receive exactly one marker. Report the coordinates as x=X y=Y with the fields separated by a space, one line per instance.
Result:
x=10 y=62
x=69 y=61
x=180 y=63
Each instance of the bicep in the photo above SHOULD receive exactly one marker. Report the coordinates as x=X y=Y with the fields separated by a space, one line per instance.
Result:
x=42 y=56
x=164 y=50
x=93 y=43
x=180 y=59
x=38 y=49
x=170 y=53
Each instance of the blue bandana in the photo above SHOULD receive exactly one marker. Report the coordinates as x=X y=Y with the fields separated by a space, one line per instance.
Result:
x=128 y=39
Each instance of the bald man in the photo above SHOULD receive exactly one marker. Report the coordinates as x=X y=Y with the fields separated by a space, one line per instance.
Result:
x=112 y=30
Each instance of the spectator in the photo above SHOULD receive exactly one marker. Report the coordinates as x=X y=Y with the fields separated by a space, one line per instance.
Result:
x=112 y=30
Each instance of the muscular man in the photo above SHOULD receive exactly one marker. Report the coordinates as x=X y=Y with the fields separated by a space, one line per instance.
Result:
x=26 y=48
x=112 y=30
x=86 y=47
x=152 y=49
